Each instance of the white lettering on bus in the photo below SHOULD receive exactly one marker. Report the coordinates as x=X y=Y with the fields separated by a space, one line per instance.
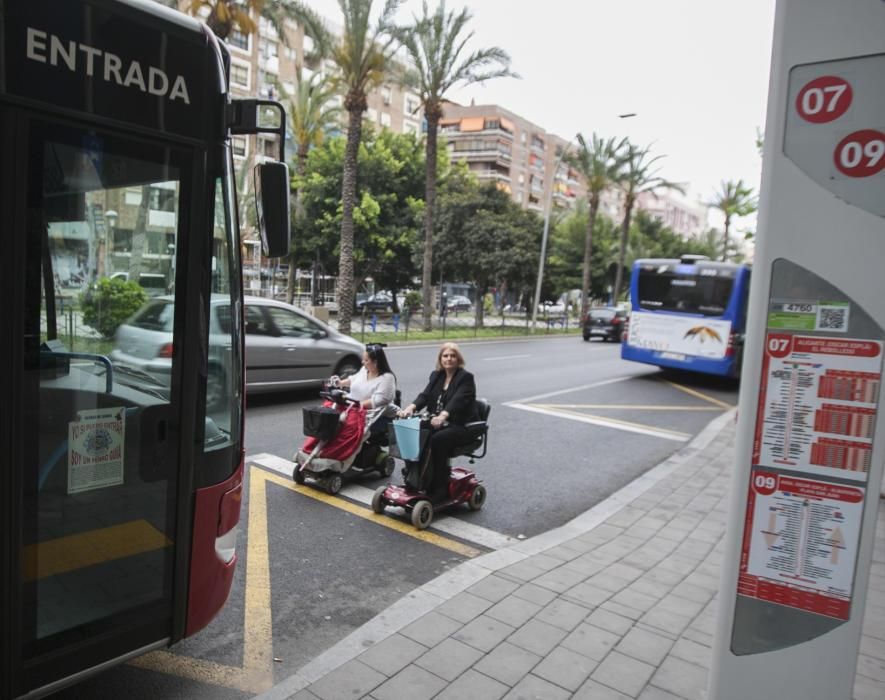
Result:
x=109 y=65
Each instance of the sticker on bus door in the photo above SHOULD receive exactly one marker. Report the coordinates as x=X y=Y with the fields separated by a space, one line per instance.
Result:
x=95 y=449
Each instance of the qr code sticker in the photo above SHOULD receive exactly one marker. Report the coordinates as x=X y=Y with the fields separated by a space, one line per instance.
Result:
x=833 y=318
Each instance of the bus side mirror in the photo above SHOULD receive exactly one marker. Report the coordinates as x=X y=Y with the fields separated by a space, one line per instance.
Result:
x=272 y=203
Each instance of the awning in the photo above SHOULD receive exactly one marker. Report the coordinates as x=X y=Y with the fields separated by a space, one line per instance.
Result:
x=473 y=123
x=507 y=125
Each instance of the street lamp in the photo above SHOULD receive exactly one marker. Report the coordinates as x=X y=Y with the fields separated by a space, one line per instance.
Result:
x=544 y=236
x=111 y=217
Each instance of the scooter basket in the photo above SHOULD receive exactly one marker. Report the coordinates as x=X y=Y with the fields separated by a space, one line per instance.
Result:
x=320 y=422
x=408 y=437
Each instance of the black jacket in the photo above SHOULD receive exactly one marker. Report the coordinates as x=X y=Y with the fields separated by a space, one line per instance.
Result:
x=460 y=397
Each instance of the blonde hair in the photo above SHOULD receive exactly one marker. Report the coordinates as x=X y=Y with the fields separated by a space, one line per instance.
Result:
x=454 y=348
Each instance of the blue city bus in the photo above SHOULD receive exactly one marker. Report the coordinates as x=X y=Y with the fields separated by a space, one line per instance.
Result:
x=688 y=314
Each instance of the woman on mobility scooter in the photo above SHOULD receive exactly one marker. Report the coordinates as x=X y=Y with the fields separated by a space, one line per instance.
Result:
x=345 y=435
x=458 y=426
x=449 y=396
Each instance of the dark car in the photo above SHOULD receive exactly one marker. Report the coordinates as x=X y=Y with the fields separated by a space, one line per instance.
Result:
x=458 y=303
x=381 y=301
x=605 y=322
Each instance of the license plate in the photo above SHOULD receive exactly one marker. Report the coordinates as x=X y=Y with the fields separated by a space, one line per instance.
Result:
x=679 y=357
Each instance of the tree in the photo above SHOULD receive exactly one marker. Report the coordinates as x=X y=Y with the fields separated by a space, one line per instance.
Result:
x=311 y=114
x=599 y=163
x=434 y=43
x=227 y=15
x=362 y=55
x=733 y=199
x=485 y=238
x=639 y=175
x=387 y=218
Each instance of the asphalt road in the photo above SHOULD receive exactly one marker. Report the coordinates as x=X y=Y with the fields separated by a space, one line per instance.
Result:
x=571 y=423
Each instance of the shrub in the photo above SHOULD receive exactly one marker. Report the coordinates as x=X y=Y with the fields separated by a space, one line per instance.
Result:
x=412 y=302
x=109 y=302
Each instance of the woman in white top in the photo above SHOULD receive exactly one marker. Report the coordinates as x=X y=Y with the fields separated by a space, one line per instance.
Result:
x=374 y=386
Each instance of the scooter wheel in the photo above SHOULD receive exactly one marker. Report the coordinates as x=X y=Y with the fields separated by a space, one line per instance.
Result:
x=298 y=475
x=477 y=498
x=422 y=514
x=378 y=500
x=387 y=468
x=333 y=484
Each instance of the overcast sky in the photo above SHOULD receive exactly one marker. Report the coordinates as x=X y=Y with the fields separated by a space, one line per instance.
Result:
x=695 y=73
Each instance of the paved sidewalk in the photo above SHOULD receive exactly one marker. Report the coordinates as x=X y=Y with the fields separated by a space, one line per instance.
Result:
x=618 y=603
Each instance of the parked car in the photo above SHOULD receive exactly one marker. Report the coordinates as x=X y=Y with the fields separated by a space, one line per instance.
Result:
x=456 y=302
x=285 y=347
x=380 y=301
x=605 y=322
x=551 y=307
x=153 y=283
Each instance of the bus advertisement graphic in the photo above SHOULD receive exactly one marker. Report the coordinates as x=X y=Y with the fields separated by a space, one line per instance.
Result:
x=685 y=335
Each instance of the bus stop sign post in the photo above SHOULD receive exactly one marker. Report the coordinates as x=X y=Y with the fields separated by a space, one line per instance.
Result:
x=811 y=433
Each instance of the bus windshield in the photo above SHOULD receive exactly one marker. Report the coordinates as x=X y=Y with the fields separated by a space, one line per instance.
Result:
x=691 y=293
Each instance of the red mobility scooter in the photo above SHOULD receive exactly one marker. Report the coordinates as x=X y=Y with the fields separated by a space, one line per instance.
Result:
x=464 y=487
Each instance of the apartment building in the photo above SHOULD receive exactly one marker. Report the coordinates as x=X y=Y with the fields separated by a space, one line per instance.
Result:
x=520 y=157
x=687 y=218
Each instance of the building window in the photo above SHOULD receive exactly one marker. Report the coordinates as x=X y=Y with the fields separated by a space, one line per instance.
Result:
x=269 y=49
x=239 y=75
x=385 y=118
x=372 y=114
x=412 y=105
x=238 y=145
x=238 y=40
x=269 y=148
x=410 y=127
x=386 y=94
x=492 y=124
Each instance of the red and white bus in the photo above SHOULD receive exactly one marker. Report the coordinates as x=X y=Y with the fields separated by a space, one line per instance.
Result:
x=120 y=491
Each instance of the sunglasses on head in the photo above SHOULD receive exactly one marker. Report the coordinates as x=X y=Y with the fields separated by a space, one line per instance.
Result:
x=372 y=349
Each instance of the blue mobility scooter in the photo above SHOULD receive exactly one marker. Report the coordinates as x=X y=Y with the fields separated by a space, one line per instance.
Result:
x=464 y=487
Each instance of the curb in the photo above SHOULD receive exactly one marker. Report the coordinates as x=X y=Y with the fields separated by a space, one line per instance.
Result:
x=449 y=584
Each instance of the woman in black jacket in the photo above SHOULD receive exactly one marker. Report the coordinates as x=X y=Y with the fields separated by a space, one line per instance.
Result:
x=449 y=396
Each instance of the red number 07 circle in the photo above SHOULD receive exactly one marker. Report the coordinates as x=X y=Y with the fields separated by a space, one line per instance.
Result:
x=824 y=99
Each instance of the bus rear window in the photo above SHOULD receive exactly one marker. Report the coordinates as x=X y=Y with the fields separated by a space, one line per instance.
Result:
x=690 y=294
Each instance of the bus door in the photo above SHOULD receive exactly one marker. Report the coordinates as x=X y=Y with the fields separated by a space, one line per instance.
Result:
x=94 y=468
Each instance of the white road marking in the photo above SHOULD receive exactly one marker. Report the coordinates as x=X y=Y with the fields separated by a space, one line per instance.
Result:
x=529 y=399
x=469 y=532
x=606 y=422
x=505 y=357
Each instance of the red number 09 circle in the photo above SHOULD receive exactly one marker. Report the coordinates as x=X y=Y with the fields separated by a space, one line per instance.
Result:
x=764 y=483
x=861 y=153
x=824 y=99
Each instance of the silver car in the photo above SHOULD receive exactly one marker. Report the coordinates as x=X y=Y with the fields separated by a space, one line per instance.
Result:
x=285 y=347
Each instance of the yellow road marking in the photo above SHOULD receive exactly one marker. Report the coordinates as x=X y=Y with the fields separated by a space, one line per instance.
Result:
x=203 y=671
x=698 y=394
x=362 y=512
x=258 y=622
x=674 y=433
x=65 y=554
x=634 y=407
x=256 y=674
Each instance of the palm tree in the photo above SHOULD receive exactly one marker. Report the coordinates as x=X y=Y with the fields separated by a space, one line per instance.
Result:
x=733 y=199
x=599 y=163
x=639 y=175
x=435 y=42
x=312 y=113
x=227 y=15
